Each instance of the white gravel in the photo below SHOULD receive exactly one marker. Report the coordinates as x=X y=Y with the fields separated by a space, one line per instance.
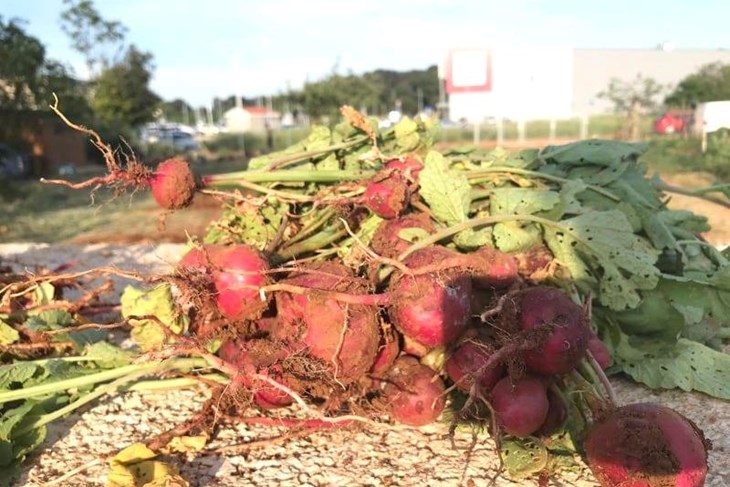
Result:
x=369 y=456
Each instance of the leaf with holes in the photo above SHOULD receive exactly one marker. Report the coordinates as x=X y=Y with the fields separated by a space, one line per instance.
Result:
x=604 y=256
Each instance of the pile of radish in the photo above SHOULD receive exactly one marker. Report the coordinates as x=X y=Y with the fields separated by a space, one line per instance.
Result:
x=362 y=281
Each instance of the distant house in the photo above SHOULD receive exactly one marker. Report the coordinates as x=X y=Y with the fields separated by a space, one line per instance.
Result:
x=251 y=119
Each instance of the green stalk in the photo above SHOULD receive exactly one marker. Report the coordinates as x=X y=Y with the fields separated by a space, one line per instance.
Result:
x=481 y=222
x=698 y=192
x=287 y=176
x=85 y=399
x=315 y=242
x=473 y=174
x=304 y=155
x=318 y=222
x=176 y=383
x=91 y=379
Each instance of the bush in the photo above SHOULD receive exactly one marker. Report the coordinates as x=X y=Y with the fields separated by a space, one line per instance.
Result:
x=235 y=145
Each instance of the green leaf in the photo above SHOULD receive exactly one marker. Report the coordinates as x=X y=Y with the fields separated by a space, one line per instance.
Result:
x=406 y=134
x=595 y=151
x=255 y=225
x=516 y=237
x=109 y=356
x=688 y=365
x=521 y=201
x=43 y=293
x=471 y=239
x=523 y=457
x=8 y=334
x=158 y=302
x=604 y=255
x=447 y=192
x=14 y=375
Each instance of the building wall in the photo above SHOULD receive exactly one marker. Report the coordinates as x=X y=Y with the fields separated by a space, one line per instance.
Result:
x=594 y=69
x=541 y=82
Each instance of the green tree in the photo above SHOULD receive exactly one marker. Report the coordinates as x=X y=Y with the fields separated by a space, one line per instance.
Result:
x=323 y=99
x=28 y=79
x=710 y=83
x=177 y=110
x=633 y=98
x=100 y=41
x=122 y=98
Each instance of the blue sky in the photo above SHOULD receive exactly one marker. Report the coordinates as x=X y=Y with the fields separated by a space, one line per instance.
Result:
x=207 y=48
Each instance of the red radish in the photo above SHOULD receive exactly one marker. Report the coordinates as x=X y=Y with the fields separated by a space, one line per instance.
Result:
x=386 y=240
x=410 y=167
x=386 y=196
x=345 y=336
x=387 y=353
x=467 y=362
x=600 y=351
x=239 y=272
x=432 y=308
x=173 y=184
x=198 y=258
x=567 y=339
x=646 y=445
x=413 y=394
x=496 y=269
x=556 y=415
x=249 y=361
x=520 y=406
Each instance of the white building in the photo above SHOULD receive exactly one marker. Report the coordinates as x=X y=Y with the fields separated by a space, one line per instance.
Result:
x=251 y=119
x=543 y=82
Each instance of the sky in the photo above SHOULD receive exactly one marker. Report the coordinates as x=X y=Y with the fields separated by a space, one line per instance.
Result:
x=208 y=48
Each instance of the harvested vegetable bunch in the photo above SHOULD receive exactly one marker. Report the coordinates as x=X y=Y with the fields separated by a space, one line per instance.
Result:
x=369 y=277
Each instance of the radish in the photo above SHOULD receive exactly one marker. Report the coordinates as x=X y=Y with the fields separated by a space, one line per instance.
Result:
x=432 y=308
x=646 y=444
x=567 y=338
x=257 y=356
x=413 y=394
x=410 y=167
x=496 y=269
x=239 y=271
x=345 y=336
x=198 y=258
x=556 y=416
x=520 y=406
x=599 y=350
x=386 y=196
x=387 y=353
x=173 y=184
x=386 y=240
x=467 y=363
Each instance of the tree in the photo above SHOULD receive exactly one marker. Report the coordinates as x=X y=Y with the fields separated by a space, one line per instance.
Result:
x=28 y=80
x=324 y=99
x=710 y=83
x=122 y=97
x=100 y=41
x=178 y=110
x=633 y=98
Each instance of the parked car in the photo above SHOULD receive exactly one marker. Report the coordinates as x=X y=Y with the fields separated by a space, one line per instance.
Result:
x=13 y=164
x=674 y=122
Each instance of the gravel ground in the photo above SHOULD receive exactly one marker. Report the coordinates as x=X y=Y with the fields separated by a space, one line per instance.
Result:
x=368 y=456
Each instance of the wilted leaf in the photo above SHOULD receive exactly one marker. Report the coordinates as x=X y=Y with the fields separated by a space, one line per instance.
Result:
x=8 y=334
x=156 y=301
x=523 y=457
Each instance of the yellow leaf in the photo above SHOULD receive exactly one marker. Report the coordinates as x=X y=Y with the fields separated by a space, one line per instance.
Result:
x=186 y=444
x=132 y=454
x=168 y=481
x=141 y=474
